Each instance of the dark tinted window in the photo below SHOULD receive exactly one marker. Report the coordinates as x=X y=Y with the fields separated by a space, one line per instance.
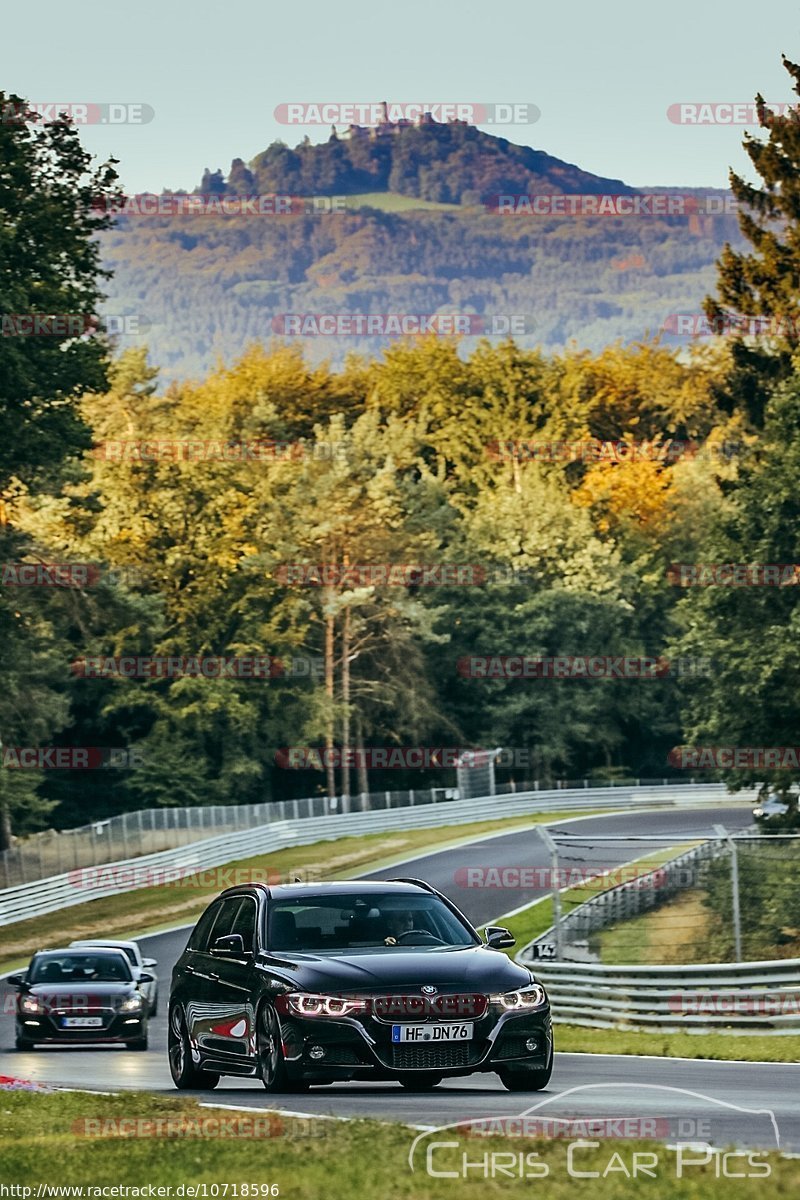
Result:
x=201 y=931
x=245 y=923
x=226 y=918
x=351 y=921
x=81 y=967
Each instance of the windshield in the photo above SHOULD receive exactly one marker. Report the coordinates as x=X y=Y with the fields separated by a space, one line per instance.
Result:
x=81 y=968
x=128 y=951
x=350 y=922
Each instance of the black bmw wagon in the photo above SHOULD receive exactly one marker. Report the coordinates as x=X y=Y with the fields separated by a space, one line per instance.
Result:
x=305 y=984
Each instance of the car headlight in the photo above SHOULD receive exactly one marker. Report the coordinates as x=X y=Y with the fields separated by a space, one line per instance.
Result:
x=309 y=1004
x=132 y=1004
x=528 y=997
x=29 y=1004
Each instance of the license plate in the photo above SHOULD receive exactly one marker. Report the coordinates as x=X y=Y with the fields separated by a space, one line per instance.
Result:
x=461 y=1031
x=82 y=1022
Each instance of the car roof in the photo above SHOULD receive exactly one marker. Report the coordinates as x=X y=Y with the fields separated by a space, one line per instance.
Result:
x=363 y=887
x=110 y=943
x=102 y=950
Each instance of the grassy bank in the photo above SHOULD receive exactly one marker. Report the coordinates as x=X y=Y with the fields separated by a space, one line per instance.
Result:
x=724 y=1047
x=44 y=1141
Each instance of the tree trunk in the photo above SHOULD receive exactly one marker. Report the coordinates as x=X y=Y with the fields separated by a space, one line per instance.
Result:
x=363 y=777
x=346 y=710
x=329 y=649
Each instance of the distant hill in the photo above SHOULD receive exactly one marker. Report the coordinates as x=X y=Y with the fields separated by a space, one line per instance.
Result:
x=451 y=163
x=415 y=238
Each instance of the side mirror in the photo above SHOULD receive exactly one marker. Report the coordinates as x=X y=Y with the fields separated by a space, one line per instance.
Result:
x=498 y=938
x=17 y=980
x=149 y=962
x=232 y=944
x=145 y=977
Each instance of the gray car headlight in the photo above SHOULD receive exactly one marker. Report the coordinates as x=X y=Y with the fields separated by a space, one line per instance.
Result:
x=132 y=1004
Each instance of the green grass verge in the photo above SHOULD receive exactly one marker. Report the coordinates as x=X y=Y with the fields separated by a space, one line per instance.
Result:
x=536 y=918
x=394 y=202
x=675 y=932
x=340 y=1161
x=725 y=1047
x=147 y=909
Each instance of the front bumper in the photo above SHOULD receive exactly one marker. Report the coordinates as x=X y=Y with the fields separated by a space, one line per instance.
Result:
x=47 y=1028
x=361 y=1047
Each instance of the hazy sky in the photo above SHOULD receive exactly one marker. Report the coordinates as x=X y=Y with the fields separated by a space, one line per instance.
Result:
x=603 y=75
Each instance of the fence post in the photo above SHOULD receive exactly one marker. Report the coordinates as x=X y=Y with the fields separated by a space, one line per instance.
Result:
x=544 y=834
x=722 y=832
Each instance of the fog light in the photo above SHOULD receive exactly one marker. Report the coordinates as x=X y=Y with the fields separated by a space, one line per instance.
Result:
x=531 y=1044
x=317 y=1052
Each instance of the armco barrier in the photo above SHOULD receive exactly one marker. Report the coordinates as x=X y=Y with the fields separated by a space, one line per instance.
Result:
x=735 y=998
x=62 y=891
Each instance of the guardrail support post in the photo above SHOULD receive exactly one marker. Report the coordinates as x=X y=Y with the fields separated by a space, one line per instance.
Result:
x=722 y=832
x=549 y=842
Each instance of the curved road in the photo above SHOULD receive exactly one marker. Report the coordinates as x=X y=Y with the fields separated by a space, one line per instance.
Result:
x=692 y=1100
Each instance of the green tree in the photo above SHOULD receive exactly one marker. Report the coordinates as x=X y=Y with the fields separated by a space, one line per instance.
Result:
x=752 y=697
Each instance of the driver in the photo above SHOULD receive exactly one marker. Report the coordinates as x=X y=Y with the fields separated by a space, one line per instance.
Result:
x=398 y=922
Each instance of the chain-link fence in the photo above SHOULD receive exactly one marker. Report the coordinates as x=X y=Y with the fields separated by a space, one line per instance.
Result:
x=147 y=831
x=725 y=899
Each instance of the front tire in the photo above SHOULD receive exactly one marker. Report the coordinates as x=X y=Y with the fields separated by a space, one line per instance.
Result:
x=185 y=1075
x=421 y=1083
x=22 y=1043
x=526 y=1079
x=138 y=1043
x=271 y=1068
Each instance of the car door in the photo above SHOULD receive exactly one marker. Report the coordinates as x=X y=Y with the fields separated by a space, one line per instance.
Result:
x=197 y=974
x=216 y=1017
x=235 y=1032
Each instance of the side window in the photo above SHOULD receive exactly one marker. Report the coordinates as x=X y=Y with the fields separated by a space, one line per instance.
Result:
x=200 y=934
x=225 y=919
x=245 y=923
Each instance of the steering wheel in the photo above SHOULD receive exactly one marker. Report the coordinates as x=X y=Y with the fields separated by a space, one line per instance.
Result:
x=425 y=933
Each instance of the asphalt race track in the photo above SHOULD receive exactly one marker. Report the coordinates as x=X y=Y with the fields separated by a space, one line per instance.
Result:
x=704 y=1107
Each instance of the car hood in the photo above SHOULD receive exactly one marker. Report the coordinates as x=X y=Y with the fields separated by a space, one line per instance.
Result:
x=91 y=988
x=472 y=968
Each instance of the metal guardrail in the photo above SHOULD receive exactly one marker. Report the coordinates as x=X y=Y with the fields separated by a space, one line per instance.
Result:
x=91 y=883
x=732 y=998
x=736 y=998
